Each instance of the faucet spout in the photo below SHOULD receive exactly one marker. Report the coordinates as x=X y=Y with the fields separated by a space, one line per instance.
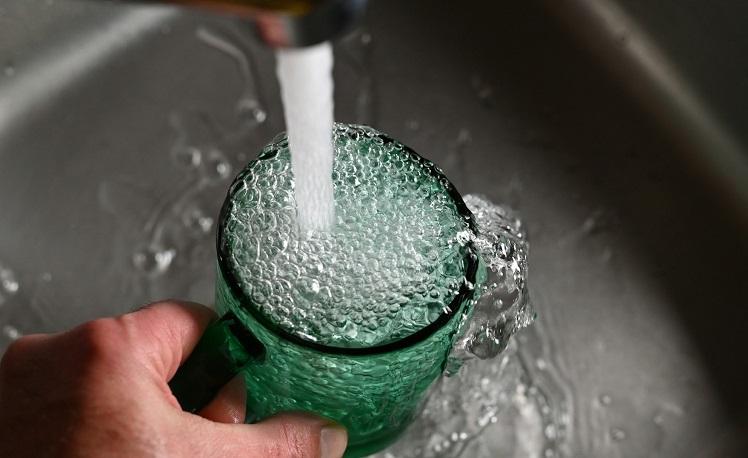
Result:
x=288 y=23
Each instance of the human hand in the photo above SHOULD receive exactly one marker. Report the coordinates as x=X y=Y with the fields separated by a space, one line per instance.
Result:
x=101 y=389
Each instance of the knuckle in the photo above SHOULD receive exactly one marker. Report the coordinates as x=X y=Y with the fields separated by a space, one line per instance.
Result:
x=99 y=341
x=16 y=354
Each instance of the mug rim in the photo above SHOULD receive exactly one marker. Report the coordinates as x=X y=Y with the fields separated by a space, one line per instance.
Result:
x=464 y=293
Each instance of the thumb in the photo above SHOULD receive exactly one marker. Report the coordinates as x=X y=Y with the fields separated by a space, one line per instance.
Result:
x=229 y=405
x=287 y=435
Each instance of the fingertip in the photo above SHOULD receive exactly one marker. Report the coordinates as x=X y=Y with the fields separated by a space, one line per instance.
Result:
x=229 y=405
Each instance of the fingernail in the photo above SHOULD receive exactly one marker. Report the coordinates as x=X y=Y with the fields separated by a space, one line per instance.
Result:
x=332 y=442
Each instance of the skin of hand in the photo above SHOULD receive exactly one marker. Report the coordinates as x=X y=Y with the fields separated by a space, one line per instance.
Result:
x=101 y=390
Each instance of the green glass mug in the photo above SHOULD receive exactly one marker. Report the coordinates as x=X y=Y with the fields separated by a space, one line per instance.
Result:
x=375 y=391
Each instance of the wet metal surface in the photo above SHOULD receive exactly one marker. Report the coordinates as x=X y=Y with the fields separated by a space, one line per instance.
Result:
x=120 y=129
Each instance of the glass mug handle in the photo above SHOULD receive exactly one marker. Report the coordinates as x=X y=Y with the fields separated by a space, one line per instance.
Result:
x=223 y=350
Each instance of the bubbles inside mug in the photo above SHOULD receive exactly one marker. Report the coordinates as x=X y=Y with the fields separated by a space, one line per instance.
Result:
x=391 y=265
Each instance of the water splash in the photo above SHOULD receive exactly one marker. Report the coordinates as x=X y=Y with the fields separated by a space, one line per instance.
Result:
x=163 y=243
x=504 y=397
x=503 y=307
x=157 y=234
x=496 y=407
x=248 y=108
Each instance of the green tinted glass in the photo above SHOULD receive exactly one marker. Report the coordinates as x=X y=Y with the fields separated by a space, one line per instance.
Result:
x=353 y=324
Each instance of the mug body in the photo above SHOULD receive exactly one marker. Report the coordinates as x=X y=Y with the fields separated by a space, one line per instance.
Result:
x=375 y=396
x=373 y=388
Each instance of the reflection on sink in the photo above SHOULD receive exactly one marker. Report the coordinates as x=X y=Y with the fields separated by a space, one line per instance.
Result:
x=116 y=152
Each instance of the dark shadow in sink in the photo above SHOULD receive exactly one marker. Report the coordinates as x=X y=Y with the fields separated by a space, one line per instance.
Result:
x=595 y=135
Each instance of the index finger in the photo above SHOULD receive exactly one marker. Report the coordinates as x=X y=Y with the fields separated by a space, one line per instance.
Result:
x=166 y=333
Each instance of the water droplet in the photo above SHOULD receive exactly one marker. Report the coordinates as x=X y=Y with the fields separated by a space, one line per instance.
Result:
x=9 y=70
x=483 y=90
x=187 y=157
x=250 y=111
x=8 y=282
x=463 y=137
x=11 y=332
x=413 y=124
x=217 y=167
x=153 y=260
x=597 y=222
x=606 y=255
x=196 y=221
x=605 y=399
x=617 y=434
x=365 y=38
x=658 y=419
x=452 y=367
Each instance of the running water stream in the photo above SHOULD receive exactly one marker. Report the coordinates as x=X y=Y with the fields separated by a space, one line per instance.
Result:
x=305 y=76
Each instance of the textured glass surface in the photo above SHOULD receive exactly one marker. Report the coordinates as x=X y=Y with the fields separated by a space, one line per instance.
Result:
x=394 y=259
x=374 y=396
x=392 y=266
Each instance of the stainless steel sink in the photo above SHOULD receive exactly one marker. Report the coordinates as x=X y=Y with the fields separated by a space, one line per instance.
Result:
x=121 y=127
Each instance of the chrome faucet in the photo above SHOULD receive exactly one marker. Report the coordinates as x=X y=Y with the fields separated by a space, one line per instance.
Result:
x=288 y=23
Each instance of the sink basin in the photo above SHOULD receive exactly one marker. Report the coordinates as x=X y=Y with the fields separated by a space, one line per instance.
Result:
x=121 y=128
